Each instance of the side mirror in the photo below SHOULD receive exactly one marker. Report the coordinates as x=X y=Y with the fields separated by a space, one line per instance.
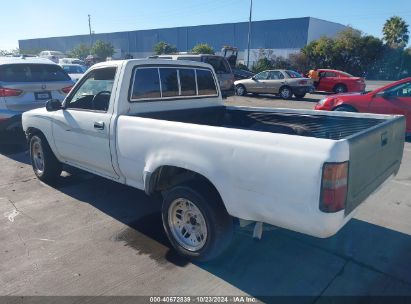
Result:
x=253 y=78
x=53 y=105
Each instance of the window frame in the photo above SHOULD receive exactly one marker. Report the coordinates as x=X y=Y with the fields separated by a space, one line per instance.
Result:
x=78 y=85
x=179 y=97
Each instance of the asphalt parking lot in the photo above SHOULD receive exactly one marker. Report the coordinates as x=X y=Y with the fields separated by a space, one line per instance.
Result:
x=89 y=236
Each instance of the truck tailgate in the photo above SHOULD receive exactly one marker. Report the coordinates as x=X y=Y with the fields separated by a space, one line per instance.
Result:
x=375 y=154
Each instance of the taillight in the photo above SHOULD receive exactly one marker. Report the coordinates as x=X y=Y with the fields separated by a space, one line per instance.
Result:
x=302 y=82
x=66 y=90
x=334 y=187
x=9 y=92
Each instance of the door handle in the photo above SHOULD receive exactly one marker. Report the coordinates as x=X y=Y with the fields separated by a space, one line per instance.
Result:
x=99 y=125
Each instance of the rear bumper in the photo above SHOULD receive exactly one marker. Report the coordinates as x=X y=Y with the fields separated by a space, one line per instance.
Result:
x=9 y=120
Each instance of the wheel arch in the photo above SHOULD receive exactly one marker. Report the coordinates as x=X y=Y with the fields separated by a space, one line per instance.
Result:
x=344 y=105
x=166 y=176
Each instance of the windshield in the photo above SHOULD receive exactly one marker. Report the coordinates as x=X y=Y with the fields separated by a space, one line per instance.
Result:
x=293 y=74
x=219 y=64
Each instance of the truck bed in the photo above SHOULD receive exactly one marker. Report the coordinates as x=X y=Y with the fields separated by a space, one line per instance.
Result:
x=375 y=142
x=317 y=125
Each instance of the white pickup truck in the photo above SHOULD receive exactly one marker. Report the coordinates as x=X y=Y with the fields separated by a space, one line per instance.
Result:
x=161 y=126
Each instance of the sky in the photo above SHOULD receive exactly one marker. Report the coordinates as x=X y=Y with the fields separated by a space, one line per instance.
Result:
x=38 y=19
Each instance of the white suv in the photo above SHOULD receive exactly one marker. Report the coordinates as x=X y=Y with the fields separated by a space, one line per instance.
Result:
x=26 y=84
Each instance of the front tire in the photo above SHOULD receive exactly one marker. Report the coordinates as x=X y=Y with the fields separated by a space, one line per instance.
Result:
x=240 y=90
x=45 y=164
x=345 y=108
x=196 y=222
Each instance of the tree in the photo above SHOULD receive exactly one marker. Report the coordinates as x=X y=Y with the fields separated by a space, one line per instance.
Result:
x=262 y=64
x=350 y=51
x=102 y=49
x=395 y=32
x=202 y=48
x=163 y=47
x=81 y=51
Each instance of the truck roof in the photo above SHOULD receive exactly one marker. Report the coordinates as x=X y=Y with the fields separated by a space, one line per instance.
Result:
x=154 y=62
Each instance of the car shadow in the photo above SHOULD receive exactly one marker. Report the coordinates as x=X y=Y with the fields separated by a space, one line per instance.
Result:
x=361 y=259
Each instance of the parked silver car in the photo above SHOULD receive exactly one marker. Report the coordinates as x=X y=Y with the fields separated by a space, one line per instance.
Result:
x=284 y=83
x=26 y=84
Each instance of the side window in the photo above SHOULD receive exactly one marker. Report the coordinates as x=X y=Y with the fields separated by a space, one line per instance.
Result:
x=401 y=90
x=275 y=75
x=188 y=82
x=261 y=76
x=169 y=82
x=146 y=84
x=330 y=74
x=94 y=92
x=205 y=83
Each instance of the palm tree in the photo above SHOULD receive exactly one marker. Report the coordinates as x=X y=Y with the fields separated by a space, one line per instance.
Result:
x=395 y=32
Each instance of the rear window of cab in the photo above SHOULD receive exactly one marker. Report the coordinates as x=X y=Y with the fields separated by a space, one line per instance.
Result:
x=157 y=83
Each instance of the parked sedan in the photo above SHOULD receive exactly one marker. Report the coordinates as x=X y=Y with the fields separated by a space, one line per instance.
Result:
x=26 y=84
x=339 y=82
x=284 y=83
x=394 y=98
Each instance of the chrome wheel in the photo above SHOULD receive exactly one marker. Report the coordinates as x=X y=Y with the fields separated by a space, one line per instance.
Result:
x=285 y=93
x=37 y=156
x=187 y=224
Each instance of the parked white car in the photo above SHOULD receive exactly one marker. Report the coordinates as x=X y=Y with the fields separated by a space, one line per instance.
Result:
x=27 y=83
x=75 y=71
x=52 y=55
x=161 y=126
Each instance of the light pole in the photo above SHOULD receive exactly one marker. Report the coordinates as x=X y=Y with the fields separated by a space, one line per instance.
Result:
x=89 y=27
x=249 y=34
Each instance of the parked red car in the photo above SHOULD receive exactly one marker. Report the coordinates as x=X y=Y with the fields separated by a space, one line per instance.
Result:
x=394 y=98
x=339 y=82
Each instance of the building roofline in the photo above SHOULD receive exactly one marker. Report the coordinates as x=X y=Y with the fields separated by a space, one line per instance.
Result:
x=179 y=27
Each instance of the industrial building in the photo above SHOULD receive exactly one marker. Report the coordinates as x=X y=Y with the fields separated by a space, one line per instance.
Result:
x=282 y=37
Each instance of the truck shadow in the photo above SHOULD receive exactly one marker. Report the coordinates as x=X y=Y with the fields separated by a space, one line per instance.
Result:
x=362 y=259
x=14 y=146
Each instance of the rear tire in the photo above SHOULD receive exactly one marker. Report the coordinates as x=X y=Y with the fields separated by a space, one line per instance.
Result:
x=196 y=221
x=45 y=164
x=240 y=90
x=340 y=88
x=286 y=93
